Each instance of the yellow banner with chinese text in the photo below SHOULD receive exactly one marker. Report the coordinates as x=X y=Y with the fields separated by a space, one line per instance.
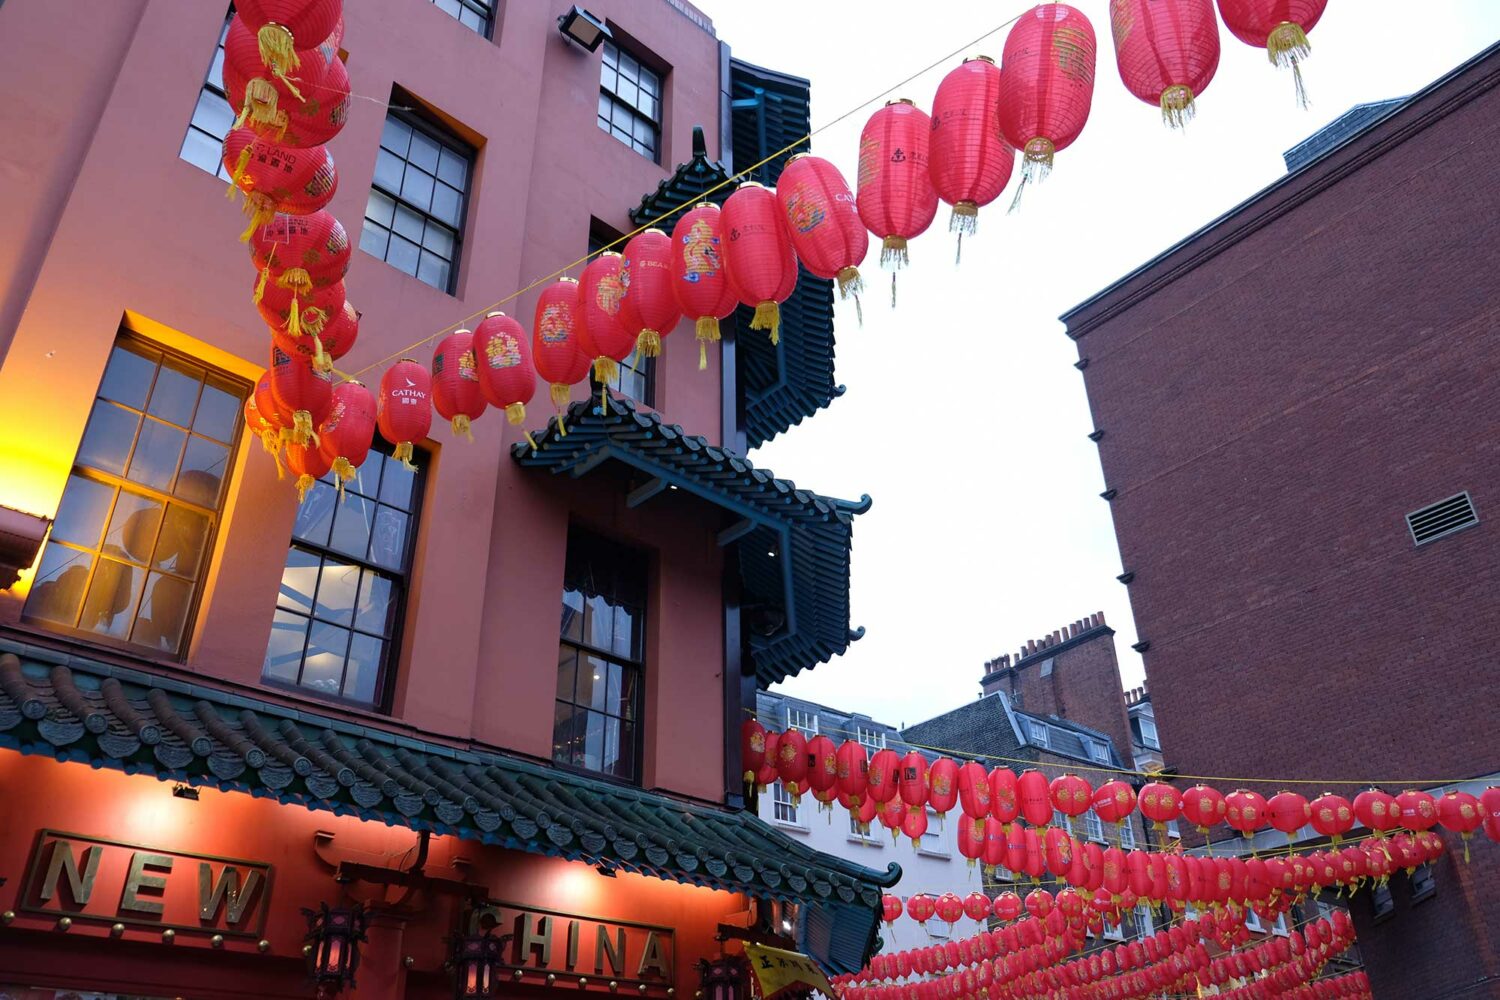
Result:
x=777 y=971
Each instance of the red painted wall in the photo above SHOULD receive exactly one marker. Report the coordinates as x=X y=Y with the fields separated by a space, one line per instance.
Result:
x=144 y=234
x=1270 y=416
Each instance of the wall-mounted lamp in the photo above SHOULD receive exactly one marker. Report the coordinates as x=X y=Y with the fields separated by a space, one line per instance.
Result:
x=334 y=935
x=21 y=537
x=578 y=25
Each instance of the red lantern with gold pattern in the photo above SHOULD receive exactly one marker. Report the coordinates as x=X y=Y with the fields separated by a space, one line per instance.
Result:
x=1332 y=816
x=307 y=464
x=1167 y=51
x=971 y=162
x=1489 y=804
x=456 y=394
x=921 y=907
x=699 y=280
x=405 y=412
x=892 y=816
x=1278 y=26
x=649 y=309
x=1011 y=844
x=266 y=426
x=791 y=762
x=1289 y=812
x=1005 y=798
x=1418 y=810
x=344 y=437
x=1046 y=85
x=334 y=333
x=601 y=335
x=890 y=908
x=302 y=392
x=1203 y=807
x=307 y=110
x=823 y=221
x=1071 y=795
x=277 y=178
x=1114 y=800
x=765 y=775
x=974 y=790
x=758 y=255
x=942 y=786
x=912 y=782
x=314 y=244
x=822 y=764
x=1057 y=851
x=1160 y=804
x=282 y=27
x=1377 y=810
x=506 y=375
x=1035 y=796
x=976 y=906
x=971 y=838
x=752 y=748
x=298 y=315
x=853 y=769
x=914 y=824
x=896 y=199
x=884 y=773
x=555 y=346
x=1007 y=906
x=1245 y=811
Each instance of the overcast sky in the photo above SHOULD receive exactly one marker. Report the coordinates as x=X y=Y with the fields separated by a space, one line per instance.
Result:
x=964 y=417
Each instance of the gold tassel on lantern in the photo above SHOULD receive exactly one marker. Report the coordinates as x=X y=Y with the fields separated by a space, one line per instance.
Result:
x=403 y=453
x=1036 y=164
x=708 y=331
x=560 y=393
x=304 y=483
x=270 y=440
x=1177 y=106
x=236 y=174
x=648 y=344
x=260 y=104
x=515 y=413
x=768 y=317
x=1286 y=46
x=278 y=50
x=851 y=284
x=260 y=210
x=462 y=427
x=606 y=370
x=343 y=472
x=302 y=429
x=893 y=252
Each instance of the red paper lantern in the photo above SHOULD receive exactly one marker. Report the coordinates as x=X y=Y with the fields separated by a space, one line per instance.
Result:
x=405 y=413
x=791 y=762
x=1035 y=796
x=1332 y=816
x=303 y=395
x=1114 y=801
x=1489 y=802
x=896 y=199
x=822 y=764
x=1278 y=26
x=974 y=790
x=1377 y=810
x=1046 y=85
x=298 y=315
x=890 y=909
x=267 y=427
x=884 y=773
x=601 y=335
x=506 y=376
x=971 y=838
x=753 y=749
x=1013 y=840
x=282 y=27
x=971 y=162
x=1057 y=851
x=1289 y=812
x=1245 y=811
x=1160 y=804
x=1005 y=800
x=823 y=221
x=942 y=786
x=306 y=111
x=892 y=816
x=649 y=309
x=315 y=245
x=1039 y=903
x=698 y=277
x=1203 y=807
x=307 y=464
x=1418 y=810
x=344 y=437
x=862 y=812
x=277 y=178
x=976 y=906
x=555 y=344
x=914 y=825
x=758 y=255
x=921 y=907
x=1167 y=51
x=1071 y=795
x=854 y=770
x=913 y=780
x=765 y=775
x=326 y=327
x=456 y=394
x=1007 y=906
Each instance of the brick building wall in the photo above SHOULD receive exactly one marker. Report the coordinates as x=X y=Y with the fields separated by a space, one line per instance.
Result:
x=1275 y=395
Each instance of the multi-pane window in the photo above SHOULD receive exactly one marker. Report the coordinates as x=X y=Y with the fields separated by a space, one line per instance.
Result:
x=1127 y=834
x=855 y=832
x=630 y=101
x=414 y=218
x=872 y=739
x=802 y=719
x=636 y=375
x=135 y=526
x=1038 y=733
x=338 y=612
x=1144 y=924
x=476 y=15
x=1145 y=730
x=1098 y=752
x=600 y=657
x=212 y=116
x=1092 y=828
x=932 y=841
x=784 y=808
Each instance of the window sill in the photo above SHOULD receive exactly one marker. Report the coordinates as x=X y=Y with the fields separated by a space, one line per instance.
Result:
x=793 y=827
x=943 y=855
x=855 y=838
x=404 y=274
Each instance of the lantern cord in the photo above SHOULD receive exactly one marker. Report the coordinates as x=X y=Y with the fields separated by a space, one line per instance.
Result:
x=727 y=182
x=1122 y=772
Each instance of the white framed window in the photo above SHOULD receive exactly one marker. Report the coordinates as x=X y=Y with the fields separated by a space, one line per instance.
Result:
x=784 y=809
x=1173 y=830
x=1144 y=924
x=1253 y=922
x=938 y=929
x=1146 y=729
x=872 y=739
x=1038 y=733
x=1093 y=829
x=1127 y=835
x=1099 y=752
x=1059 y=820
x=802 y=719
x=858 y=835
x=630 y=96
x=1114 y=932
x=1279 y=928
x=933 y=843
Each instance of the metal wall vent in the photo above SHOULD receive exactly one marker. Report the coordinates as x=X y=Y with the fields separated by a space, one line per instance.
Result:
x=1441 y=519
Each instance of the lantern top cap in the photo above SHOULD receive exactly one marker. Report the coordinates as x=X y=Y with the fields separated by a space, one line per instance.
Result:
x=566 y=278
x=705 y=203
x=654 y=229
x=796 y=156
x=609 y=253
x=463 y=329
x=980 y=58
x=412 y=360
x=902 y=100
x=751 y=184
x=492 y=315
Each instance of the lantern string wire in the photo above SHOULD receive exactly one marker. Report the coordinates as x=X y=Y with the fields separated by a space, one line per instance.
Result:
x=1126 y=772
x=728 y=181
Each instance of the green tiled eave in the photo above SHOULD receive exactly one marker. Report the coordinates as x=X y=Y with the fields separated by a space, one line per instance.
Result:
x=794 y=556
x=75 y=709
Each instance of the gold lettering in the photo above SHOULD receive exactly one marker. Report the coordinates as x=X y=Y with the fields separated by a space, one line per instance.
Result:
x=212 y=895
x=653 y=957
x=138 y=879
x=603 y=949
x=540 y=938
x=572 y=945
x=80 y=884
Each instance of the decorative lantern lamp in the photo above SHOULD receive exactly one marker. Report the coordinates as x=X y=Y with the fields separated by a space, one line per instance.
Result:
x=896 y=199
x=822 y=221
x=1167 y=52
x=334 y=935
x=601 y=335
x=405 y=411
x=344 y=438
x=477 y=959
x=725 y=978
x=456 y=394
x=1278 y=26
x=301 y=392
x=506 y=375
x=305 y=111
x=554 y=342
x=1046 y=85
x=282 y=27
x=698 y=277
x=649 y=309
x=276 y=177
x=758 y=255
x=971 y=161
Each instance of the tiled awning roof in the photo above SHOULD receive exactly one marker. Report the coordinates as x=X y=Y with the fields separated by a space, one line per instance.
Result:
x=793 y=544
x=105 y=715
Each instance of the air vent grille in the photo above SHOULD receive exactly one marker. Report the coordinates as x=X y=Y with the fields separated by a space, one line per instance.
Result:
x=1441 y=519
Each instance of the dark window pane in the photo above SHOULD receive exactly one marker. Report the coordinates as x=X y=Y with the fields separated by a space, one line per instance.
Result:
x=351 y=526
x=163 y=612
x=80 y=516
x=107 y=440
x=132 y=527
x=363 y=672
x=434 y=271
x=388 y=538
x=376 y=604
x=374 y=241
x=381 y=208
x=388 y=170
x=452 y=168
x=567 y=669
x=58 y=587
x=572 y=615
x=593 y=686
x=564 y=735
x=284 y=653
x=593 y=742
x=218 y=409
x=127 y=378
x=205 y=464
x=403 y=255
x=298 y=579
x=424 y=152
x=323 y=667
x=337 y=589
x=396 y=484
x=315 y=515
x=625 y=764
x=396 y=136
x=446 y=204
x=626 y=632
x=184 y=537
x=175 y=395
x=439 y=240
x=416 y=189
x=157 y=453
x=630 y=680
x=112 y=598
x=409 y=224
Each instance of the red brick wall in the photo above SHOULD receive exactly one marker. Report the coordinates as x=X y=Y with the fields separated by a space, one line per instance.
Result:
x=1270 y=416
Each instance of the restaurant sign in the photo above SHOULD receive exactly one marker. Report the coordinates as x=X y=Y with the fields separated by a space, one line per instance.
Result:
x=577 y=946
x=107 y=881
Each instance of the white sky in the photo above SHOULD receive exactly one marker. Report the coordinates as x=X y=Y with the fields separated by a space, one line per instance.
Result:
x=964 y=417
